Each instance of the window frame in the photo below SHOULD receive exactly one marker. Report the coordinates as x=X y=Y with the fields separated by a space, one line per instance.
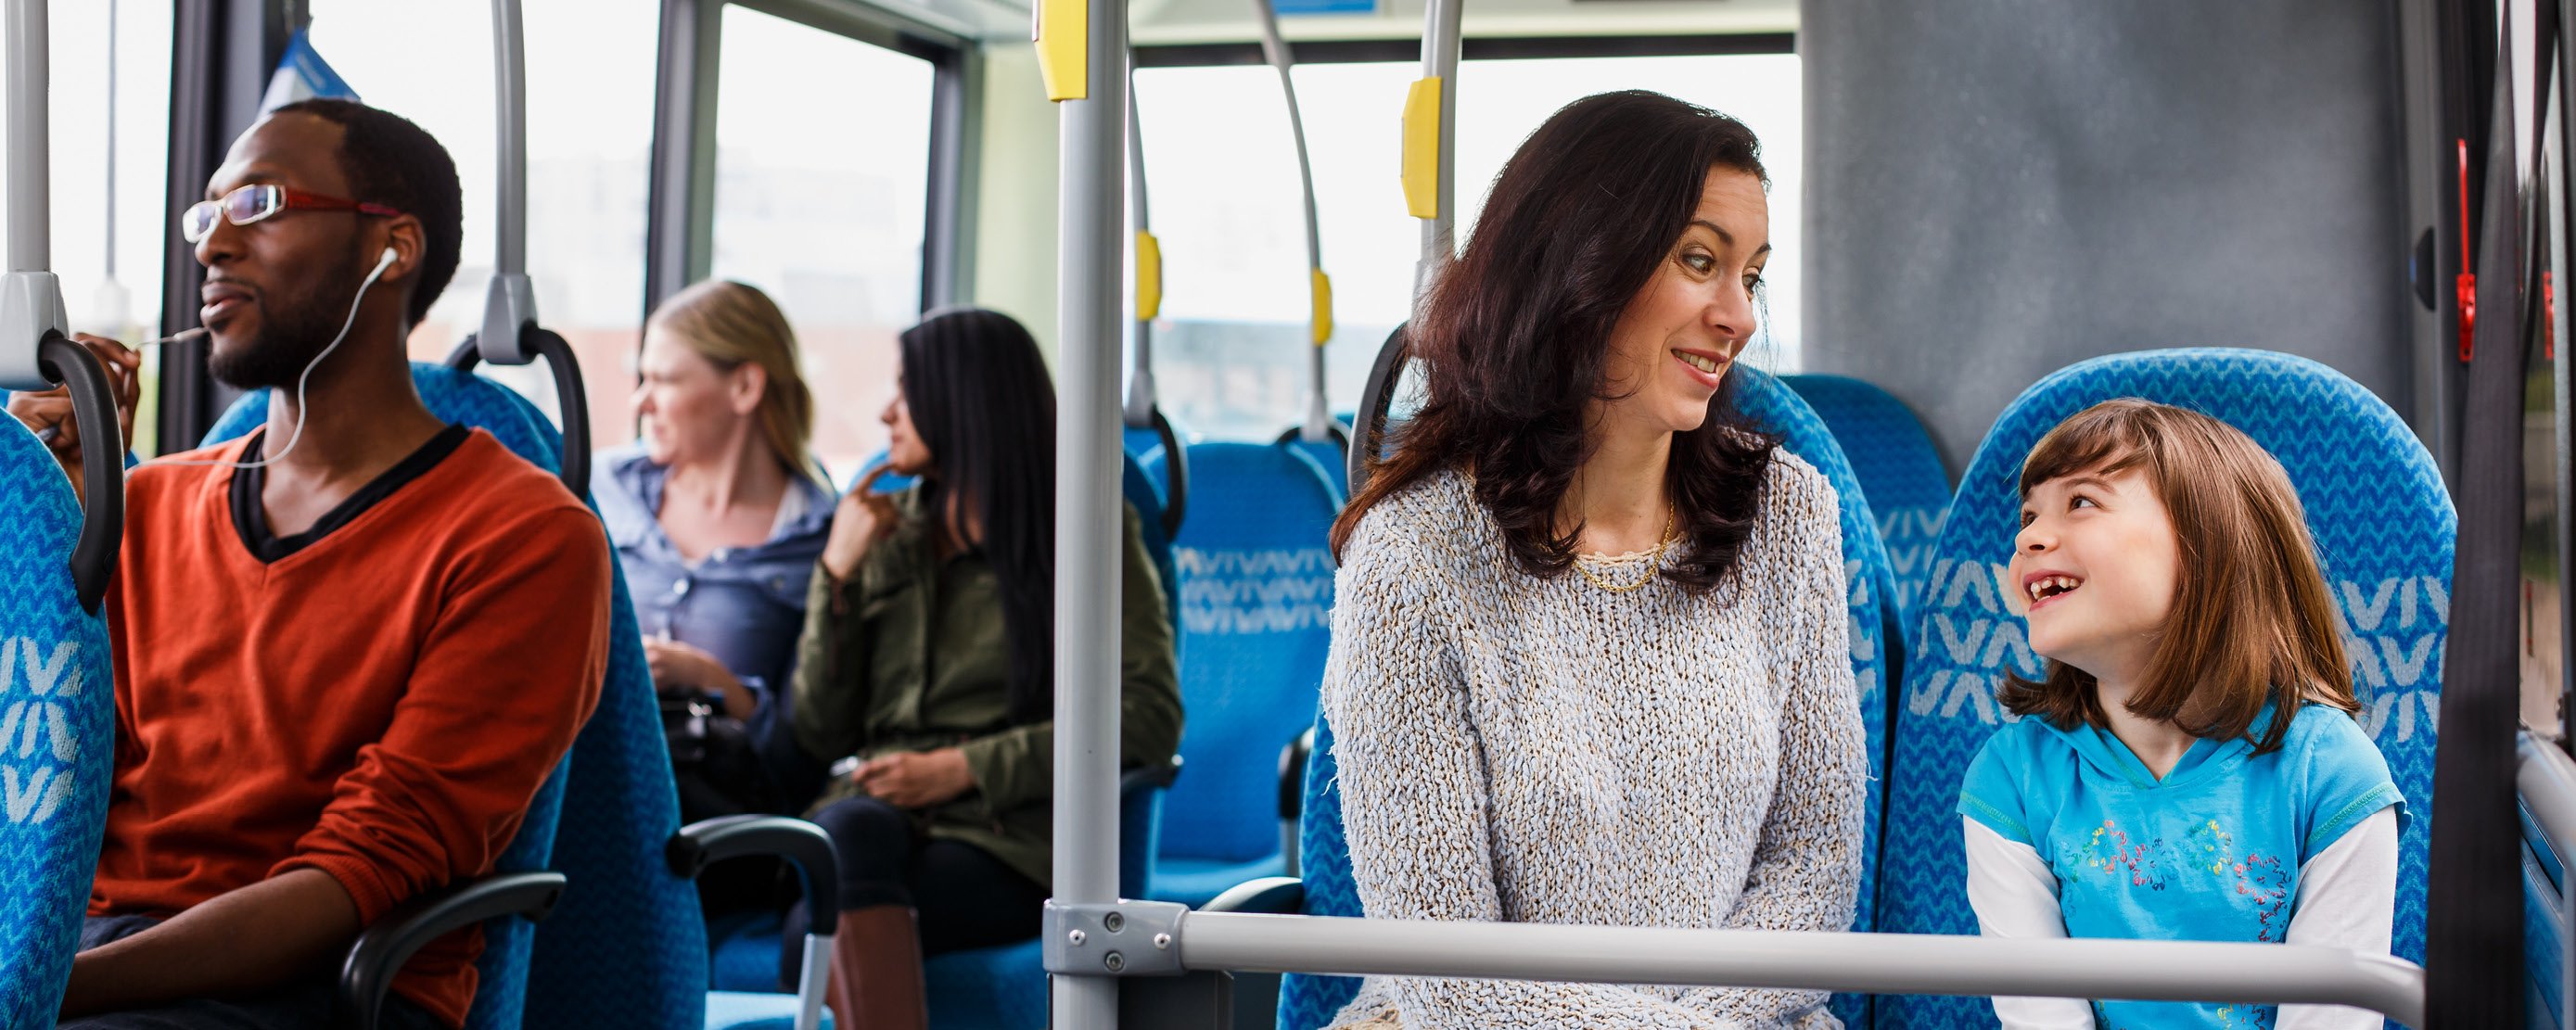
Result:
x=680 y=234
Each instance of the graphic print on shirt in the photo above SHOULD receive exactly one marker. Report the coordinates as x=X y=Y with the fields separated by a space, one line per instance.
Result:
x=38 y=744
x=2255 y=885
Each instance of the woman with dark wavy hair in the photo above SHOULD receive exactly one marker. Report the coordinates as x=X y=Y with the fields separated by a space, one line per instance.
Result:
x=927 y=666
x=1590 y=661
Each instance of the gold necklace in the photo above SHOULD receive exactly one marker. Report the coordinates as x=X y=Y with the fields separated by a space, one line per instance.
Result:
x=1652 y=567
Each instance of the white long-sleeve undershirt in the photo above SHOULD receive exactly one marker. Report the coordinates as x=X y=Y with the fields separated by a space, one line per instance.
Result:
x=2347 y=899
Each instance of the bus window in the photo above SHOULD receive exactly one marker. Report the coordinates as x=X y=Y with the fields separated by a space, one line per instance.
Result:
x=822 y=180
x=110 y=230
x=2544 y=456
x=1222 y=175
x=590 y=128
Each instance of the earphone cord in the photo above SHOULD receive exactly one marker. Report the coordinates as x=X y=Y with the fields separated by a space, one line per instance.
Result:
x=297 y=436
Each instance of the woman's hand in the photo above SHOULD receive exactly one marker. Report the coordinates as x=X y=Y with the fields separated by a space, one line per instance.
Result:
x=862 y=518
x=679 y=668
x=916 y=779
x=52 y=409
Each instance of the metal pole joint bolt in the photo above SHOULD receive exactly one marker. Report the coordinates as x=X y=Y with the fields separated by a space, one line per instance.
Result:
x=1125 y=938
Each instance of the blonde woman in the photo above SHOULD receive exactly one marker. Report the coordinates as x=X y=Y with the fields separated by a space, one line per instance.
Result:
x=718 y=516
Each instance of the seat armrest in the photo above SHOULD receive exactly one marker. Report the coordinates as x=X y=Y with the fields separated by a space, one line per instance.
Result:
x=385 y=945
x=801 y=843
x=1292 y=775
x=1269 y=895
x=1149 y=777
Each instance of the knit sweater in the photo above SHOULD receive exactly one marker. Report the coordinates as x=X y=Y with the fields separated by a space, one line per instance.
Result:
x=1541 y=750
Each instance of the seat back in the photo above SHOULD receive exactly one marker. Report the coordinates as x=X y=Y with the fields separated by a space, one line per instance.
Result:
x=2383 y=526
x=1771 y=406
x=57 y=730
x=1255 y=583
x=1309 y=1002
x=466 y=399
x=2546 y=920
x=1898 y=468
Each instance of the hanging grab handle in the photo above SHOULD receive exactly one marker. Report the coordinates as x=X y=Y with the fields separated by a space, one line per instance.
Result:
x=1063 y=36
x=102 y=463
x=1422 y=148
x=570 y=398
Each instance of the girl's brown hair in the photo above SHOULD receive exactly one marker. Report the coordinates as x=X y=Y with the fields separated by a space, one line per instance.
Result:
x=2253 y=626
x=1514 y=335
x=732 y=325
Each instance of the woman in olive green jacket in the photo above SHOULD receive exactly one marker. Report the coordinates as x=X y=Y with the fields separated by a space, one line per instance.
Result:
x=926 y=666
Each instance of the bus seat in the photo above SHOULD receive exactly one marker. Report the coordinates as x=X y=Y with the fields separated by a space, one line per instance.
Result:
x=466 y=399
x=54 y=673
x=2544 y=927
x=1256 y=582
x=1774 y=407
x=1895 y=463
x=2383 y=526
x=1327 y=889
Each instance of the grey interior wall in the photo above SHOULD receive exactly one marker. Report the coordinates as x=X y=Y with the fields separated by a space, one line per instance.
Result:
x=2000 y=188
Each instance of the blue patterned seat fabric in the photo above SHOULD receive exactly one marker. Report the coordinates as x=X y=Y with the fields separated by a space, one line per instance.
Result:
x=2383 y=526
x=1255 y=582
x=466 y=399
x=2544 y=928
x=1308 y=1002
x=57 y=728
x=1898 y=468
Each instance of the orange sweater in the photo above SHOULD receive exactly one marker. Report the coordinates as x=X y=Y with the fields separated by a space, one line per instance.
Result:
x=380 y=705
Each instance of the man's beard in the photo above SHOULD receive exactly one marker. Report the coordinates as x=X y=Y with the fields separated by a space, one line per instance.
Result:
x=293 y=330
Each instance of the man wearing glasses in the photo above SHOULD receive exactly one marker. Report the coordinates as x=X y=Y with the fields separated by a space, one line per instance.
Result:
x=349 y=646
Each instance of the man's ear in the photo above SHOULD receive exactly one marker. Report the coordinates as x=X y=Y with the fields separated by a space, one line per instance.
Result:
x=410 y=244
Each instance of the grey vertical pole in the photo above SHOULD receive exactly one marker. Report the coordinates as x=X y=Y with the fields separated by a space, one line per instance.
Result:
x=511 y=301
x=31 y=299
x=1093 y=219
x=30 y=127
x=111 y=152
x=1440 y=42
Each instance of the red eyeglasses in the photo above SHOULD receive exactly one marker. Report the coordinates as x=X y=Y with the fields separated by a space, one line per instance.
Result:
x=258 y=201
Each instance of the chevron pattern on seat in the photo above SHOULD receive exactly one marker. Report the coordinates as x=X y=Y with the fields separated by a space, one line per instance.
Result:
x=1898 y=468
x=57 y=733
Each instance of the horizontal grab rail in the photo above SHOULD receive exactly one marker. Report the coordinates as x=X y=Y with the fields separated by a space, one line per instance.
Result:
x=1875 y=963
x=2546 y=778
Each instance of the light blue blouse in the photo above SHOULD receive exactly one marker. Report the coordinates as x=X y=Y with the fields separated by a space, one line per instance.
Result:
x=744 y=605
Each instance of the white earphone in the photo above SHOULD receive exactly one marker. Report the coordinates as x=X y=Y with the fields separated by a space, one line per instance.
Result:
x=384 y=261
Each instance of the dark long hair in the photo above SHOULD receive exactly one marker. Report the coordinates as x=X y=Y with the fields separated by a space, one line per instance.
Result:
x=1515 y=334
x=982 y=403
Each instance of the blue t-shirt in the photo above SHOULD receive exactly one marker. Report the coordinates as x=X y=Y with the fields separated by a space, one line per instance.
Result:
x=2210 y=853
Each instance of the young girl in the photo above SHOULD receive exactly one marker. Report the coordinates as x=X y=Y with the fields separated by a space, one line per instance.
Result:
x=2190 y=768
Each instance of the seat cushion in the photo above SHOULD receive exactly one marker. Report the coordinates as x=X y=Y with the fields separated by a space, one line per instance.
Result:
x=2383 y=526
